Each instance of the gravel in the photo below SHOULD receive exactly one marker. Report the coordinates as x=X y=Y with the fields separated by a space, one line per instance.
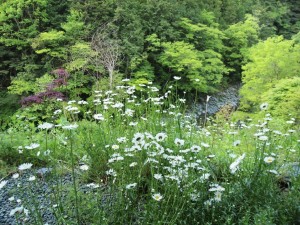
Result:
x=229 y=96
x=22 y=194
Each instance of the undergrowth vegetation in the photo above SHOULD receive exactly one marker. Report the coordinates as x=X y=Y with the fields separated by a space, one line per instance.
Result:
x=148 y=161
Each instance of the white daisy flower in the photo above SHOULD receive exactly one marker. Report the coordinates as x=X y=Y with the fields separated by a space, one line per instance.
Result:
x=70 y=127
x=269 y=159
x=82 y=102
x=122 y=139
x=115 y=147
x=132 y=164
x=157 y=197
x=3 y=183
x=98 y=117
x=218 y=196
x=84 y=167
x=133 y=124
x=31 y=178
x=130 y=186
x=263 y=138
x=15 y=176
x=263 y=106
x=179 y=142
x=93 y=185
x=273 y=171
x=216 y=187
x=138 y=138
x=195 y=148
x=25 y=166
x=236 y=143
x=32 y=146
x=45 y=126
x=205 y=145
x=57 y=112
x=16 y=210
x=160 y=137
x=235 y=165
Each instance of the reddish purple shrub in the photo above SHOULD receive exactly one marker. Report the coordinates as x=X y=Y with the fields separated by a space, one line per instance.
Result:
x=27 y=101
x=62 y=76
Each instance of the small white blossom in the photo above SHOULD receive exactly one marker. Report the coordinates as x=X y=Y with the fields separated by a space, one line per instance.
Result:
x=158 y=176
x=269 y=159
x=132 y=164
x=216 y=187
x=235 y=165
x=263 y=138
x=45 y=126
x=82 y=102
x=263 y=106
x=2 y=184
x=157 y=197
x=115 y=147
x=205 y=145
x=15 y=176
x=122 y=139
x=160 y=137
x=32 y=146
x=16 y=210
x=98 y=117
x=236 y=143
x=70 y=127
x=57 y=112
x=273 y=171
x=25 y=166
x=130 y=186
x=179 y=142
x=31 y=178
x=84 y=167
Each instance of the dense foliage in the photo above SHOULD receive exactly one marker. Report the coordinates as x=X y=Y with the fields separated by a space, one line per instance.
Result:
x=203 y=42
x=144 y=161
x=37 y=35
x=99 y=90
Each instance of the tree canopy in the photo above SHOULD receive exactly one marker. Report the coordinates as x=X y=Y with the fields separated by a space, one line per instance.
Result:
x=208 y=43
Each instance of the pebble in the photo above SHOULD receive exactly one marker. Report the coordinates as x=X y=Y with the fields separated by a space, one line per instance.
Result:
x=23 y=192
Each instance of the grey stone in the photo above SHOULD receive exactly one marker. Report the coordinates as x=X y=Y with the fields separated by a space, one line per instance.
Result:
x=229 y=96
x=42 y=172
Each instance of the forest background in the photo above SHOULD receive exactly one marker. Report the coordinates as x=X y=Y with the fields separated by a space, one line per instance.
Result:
x=51 y=49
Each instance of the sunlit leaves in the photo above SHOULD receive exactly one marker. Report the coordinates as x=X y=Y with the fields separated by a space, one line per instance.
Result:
x=269 y=62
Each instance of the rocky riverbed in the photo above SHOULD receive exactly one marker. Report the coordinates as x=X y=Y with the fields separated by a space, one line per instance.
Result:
x=229 y=97
x=28 y=198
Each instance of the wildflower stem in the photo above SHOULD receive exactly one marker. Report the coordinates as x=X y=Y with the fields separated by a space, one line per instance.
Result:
x=74 y=179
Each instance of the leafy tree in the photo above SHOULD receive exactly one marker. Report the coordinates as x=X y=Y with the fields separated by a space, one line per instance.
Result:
x=205 y=35
x=195 y=56
x=283 y=98
x=142 y=72
x=199 y=70
x=268 y=62
x=233 y=11
x=240 y=37
x=20 y=21
x=277 y=17
x=54 y=44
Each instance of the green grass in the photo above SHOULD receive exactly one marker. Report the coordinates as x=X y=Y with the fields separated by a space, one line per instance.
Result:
x=158 y=150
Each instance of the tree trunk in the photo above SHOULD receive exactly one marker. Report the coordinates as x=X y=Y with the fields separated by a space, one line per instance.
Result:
x=110 y=72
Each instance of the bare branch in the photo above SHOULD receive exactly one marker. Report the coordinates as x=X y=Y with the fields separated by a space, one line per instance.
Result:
x=107 y=50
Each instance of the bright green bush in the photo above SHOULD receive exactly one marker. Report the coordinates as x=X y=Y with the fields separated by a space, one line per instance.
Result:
x=283 y=98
